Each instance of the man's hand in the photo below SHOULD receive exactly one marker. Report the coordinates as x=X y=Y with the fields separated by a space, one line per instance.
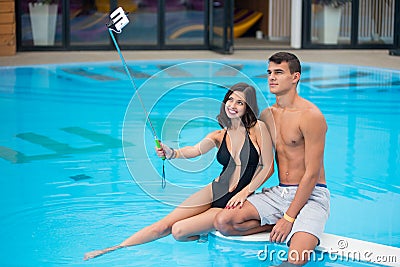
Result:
x=280 y=231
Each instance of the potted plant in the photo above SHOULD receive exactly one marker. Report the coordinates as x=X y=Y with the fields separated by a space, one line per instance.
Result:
x=328 y=15
x=43 y=15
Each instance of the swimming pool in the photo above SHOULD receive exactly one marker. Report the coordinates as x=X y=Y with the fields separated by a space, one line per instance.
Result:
x=70 y=145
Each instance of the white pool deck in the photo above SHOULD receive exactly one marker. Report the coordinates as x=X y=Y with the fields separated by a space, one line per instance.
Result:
x=340 y=247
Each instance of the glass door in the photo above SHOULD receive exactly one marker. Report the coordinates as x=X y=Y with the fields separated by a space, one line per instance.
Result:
x=154 y=24
x=331 y=25
x=221 y=26
x=86 y=22
x=144 y=27
x=350 y=24
x=376 y=22
x=396 y=49
x=185 y=22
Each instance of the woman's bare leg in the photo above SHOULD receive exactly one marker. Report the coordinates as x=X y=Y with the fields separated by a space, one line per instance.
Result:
x=191 y=228
x=194 y=205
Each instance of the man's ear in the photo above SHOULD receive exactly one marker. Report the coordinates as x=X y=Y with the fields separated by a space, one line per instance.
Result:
x=296 y=77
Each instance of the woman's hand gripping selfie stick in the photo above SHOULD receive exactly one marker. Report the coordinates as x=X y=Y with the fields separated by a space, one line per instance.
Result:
x=118 y=20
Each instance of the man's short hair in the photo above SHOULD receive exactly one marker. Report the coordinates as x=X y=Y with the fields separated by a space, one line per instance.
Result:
x=291 y=59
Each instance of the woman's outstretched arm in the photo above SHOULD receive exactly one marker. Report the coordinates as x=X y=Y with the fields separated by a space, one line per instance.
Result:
x=202 y=147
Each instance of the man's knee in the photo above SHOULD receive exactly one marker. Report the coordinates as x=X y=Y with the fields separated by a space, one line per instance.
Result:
x=301 y=248
x=299 y=257
x=223 y=222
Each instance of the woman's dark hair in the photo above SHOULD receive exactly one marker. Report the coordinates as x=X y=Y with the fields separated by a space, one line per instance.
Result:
x=291 y=59
x=249 y=118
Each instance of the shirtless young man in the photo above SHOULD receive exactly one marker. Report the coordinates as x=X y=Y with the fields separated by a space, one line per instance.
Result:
x=295 y=211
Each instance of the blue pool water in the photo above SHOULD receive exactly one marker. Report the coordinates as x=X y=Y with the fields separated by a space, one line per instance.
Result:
x=78 y=171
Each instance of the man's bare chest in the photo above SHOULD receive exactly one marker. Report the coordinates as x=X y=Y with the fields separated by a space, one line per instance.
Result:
x=288 y=131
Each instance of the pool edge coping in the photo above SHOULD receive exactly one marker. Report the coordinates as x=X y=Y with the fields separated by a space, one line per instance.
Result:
x=348 y=248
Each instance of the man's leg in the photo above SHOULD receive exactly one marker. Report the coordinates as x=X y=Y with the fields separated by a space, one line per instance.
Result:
x=240 y=221
x=301 y=247
x=312 y=219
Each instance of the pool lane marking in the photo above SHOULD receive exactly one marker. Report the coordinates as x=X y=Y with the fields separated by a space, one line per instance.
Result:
x=88 y=74
x=46 y=142
x=12 y=155
x=61 y=150
x=106 y=140
x=134 y=73
x=174 y=72
x=229 y=71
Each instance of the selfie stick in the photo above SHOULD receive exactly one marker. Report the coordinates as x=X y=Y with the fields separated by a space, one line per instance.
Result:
x=119 y=20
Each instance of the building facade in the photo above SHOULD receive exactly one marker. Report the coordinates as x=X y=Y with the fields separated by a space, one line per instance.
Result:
x=206 y=24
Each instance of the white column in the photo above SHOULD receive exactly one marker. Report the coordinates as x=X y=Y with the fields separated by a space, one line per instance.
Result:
x=296 y=29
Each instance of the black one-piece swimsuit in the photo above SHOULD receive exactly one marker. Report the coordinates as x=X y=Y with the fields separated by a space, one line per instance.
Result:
x=249 y=161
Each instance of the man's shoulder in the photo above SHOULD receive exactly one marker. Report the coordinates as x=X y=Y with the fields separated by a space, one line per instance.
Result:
x=311 y=115
x=312 y=118
x=310 y=109
x=266 y=113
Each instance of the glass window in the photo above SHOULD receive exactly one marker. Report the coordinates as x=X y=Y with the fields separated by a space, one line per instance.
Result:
x=331 y=25
x=376 y=21
x=184 y=22
x=41 y=24
x=87 y=22
x=143 y=26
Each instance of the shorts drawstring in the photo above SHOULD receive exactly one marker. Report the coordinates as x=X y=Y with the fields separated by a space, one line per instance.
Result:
x=284 y=192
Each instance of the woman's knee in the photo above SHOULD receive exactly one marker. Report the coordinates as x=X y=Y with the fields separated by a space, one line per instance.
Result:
x=178 y=232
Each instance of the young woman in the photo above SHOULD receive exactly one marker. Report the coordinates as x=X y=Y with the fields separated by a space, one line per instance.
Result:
x=246 y=155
